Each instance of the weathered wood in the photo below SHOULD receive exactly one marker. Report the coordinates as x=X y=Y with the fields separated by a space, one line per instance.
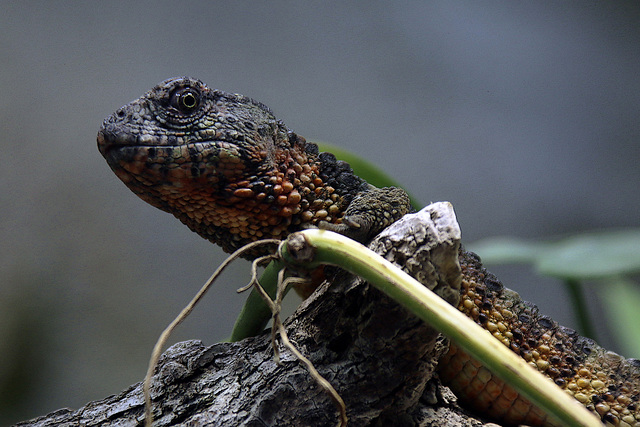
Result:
x=380 y=358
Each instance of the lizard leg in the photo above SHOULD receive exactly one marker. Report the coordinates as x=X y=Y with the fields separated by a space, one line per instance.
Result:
x=370 y=212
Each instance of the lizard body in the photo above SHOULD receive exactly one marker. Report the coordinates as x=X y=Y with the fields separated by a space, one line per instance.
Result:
x=229 y=170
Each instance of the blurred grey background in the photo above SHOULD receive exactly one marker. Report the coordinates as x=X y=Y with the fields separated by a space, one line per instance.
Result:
x=525 y=115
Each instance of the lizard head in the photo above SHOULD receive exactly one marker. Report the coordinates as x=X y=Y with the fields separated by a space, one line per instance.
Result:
x=220 y=162
x=183 y=134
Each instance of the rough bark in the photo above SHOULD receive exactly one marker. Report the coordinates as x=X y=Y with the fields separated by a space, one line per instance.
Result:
x=380 y=358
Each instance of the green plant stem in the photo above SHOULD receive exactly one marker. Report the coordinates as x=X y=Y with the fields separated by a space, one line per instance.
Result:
x=576 y=294
x=334 y=249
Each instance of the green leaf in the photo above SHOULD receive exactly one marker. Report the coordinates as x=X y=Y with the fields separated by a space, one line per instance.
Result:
x=507 y=250
x=255 y=314
x=593 y=255
x=621 y=299
x=364 y=169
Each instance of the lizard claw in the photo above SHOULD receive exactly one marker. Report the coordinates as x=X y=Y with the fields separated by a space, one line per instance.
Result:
x=353 y=227
x=351 y=222
x=371 y=212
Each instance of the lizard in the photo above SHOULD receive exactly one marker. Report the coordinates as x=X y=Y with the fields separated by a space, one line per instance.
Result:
x=228 y=169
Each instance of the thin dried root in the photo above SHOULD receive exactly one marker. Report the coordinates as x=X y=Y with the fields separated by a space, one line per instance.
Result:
x=278 y=327
x=258 y=262
x=157 y=349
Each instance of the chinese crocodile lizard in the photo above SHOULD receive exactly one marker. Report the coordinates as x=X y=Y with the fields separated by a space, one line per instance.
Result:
x=233 y=173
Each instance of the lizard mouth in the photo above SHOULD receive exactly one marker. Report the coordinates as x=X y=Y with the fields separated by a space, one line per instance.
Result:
x=121 y=149
x=111 y=141
x=140 y=163
x=115 y=152
x=123 y=153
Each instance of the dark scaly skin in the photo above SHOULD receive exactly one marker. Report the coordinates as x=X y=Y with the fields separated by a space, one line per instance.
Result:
x=229 y=170
x=224 y=166
x=603 y=381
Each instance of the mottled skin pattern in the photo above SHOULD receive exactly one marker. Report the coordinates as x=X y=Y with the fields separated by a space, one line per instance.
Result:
x=605 y=382
x=224 y=166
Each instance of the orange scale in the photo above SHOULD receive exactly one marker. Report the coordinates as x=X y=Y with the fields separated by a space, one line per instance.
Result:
x=286 y=212
x=294 y=197
x=243 y=193
x=273 y=220
x=287 y=186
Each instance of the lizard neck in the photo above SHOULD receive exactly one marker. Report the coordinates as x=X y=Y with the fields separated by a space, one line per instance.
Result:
x=293 y=187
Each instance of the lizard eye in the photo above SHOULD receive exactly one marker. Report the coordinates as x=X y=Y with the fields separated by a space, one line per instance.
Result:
x=185 y=100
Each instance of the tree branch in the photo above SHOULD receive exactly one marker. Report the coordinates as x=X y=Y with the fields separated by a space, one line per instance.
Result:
x=380 y=359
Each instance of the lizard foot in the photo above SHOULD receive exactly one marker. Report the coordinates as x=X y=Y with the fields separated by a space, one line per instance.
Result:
x=370 y=212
